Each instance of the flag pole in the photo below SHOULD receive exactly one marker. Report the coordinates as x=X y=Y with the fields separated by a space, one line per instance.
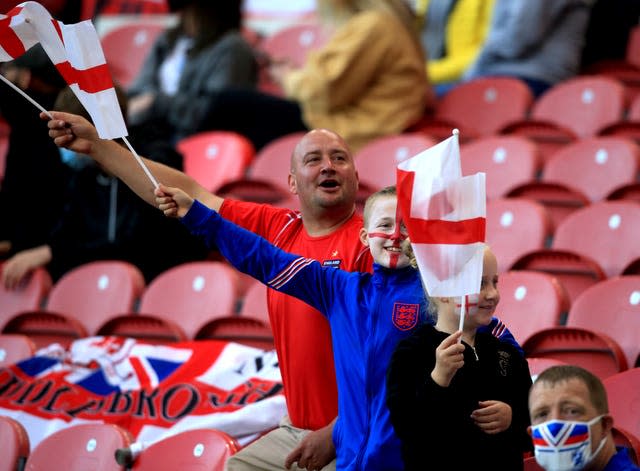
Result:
x=142 y=164
x=463 y=308
x=27 y=97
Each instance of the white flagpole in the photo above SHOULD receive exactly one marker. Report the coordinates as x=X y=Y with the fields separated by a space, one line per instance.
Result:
x=463 y=308
x=27 y=97
x=141 y=162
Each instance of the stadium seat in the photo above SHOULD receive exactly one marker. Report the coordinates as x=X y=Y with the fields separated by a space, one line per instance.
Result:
x=622 y=437
x=377 y=161
x=628 y=127
x=607 y=232
x=15 y=444
x=515 y=227
x=245 y=330
x=574 y=271
x=4 y=148
x=530 y=464
x=15 y=347
x=623 y=391
x=480 y=107
x=594 y=166
x=611 y=307
x=136 y=40
x=589 y=349
x=180 y=300
x=530 y=301
x=79 y=448
x=254 y=304
x=80 y=302
x=573 y=109
x=214 y=158
x=202 y=449
x=29 y=296
x=538 y=365
x=508 y=161
x=266 y=180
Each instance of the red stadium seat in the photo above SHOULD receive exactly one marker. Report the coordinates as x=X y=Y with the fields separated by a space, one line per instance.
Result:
x=255 y=303
x=530 y=301
x=79 y=448
x=293 y=43
x=15 y=444
x=530 y=464
x=214 y=158
x=80 y=302
x=611 y=307
x=508 y=161
x=628 y=127
x=245 y=330
x=623 y=391
x=15 y=347
x=624 y=438
x=4 y=148
x=29 y=296
x=591 y=350
x=515 y=227
x=538 y=365
x=202 y=449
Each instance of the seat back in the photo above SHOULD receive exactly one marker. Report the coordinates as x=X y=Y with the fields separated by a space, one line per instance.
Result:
x=15 y=444
x=202 y=449
x=293 y=43
x=530 y=301
x=136 y=40
x=484 y=105
x=613 y=307
x=213 y=158
x=595 y=166
x=623 y=391
x=624 y=438
x=508 y=162
x=589 y=349
x=28 y=296
x=606 y=231
x=516 y=226
x=80 y=447
x=15 y=347
x=245 y=330
x=538 y=365
x=191 y=294
x=254 y=303
x=583 y=104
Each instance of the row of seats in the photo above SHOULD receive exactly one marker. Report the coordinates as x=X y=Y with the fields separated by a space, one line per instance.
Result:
x=93 y=446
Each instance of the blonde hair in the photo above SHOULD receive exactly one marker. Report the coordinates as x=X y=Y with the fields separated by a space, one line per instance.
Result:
x=387 y=191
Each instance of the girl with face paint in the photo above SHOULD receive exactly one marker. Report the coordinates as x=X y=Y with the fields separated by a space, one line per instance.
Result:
x=460 y=395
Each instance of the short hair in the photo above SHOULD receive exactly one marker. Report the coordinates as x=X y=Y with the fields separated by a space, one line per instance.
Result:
x=387 y=191
x=563 y=373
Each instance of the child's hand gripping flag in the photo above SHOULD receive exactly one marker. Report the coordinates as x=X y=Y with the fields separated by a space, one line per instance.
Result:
x=445 y=215
x=76 y=52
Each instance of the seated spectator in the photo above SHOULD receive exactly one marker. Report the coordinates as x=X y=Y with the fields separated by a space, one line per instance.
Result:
x=368 y=81
x=188 y=64
x=570 y=423
x=453 y=31
x=538 y=42
x=450 y=390
x=104 y=220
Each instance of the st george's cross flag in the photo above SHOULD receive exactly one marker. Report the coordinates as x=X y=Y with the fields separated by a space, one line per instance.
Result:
x=75 y=51
x=445 y=215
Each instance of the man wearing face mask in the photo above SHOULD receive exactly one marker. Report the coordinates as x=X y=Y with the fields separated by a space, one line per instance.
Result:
x=571 y=425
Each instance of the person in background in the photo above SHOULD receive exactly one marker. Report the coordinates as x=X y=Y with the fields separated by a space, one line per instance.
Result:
x=450 y=390
x=186 y=67
x=538 y=42
x=571 y=427
x=453 y=32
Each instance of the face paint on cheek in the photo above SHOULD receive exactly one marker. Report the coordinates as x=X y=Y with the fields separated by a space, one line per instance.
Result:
x=393 y=256
x=471 y=304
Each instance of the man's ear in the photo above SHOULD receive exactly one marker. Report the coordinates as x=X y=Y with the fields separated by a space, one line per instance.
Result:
x=293 y=187
x=364 y=236
x=607 y=424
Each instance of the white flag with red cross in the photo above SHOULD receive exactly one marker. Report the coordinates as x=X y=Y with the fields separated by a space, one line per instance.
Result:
x=445 y=214
x=76 y=52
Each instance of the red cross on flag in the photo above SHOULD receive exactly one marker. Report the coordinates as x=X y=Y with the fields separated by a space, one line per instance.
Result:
x=76 y=52
x=445 y=214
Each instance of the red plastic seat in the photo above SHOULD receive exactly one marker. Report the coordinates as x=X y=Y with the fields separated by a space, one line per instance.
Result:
x=607 y=232
x=4 y=148
x=202 y=449
x=628 y=127
x=594 y=166
x=79 y=448
x=530 y=301
x=515 y=227
x=508 y=161
x=29 y=296
x=589 y=349
x=178 y=301
x=377 y=161
x=611 y=307
x=538 y=365
x=214 y=158
x=254 y=304
x=266 y=180
x=623 y=437
x=530 y=464
x=15 y=347
x=80 y=302
x=15 y=444
x=480 y=107
x=241 y=329
x=126 y=47
x=623 y=391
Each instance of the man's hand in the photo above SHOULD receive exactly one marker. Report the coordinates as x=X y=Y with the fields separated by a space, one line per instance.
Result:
x=315 y=451
x=18 y=267
x=71 y=131
x=492 y=416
